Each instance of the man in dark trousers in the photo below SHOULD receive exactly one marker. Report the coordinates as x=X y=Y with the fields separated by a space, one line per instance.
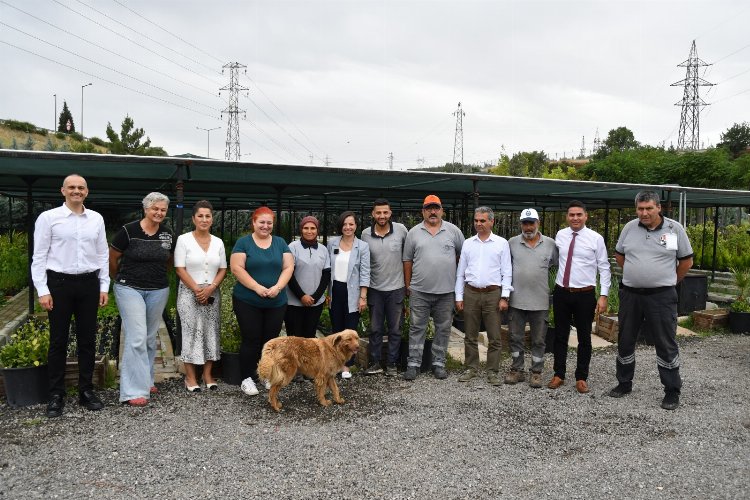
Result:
x=582 y=254
x=70 y=269
x=655 y=254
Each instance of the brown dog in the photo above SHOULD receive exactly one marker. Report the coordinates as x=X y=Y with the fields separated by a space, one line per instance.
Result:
x=319 y=359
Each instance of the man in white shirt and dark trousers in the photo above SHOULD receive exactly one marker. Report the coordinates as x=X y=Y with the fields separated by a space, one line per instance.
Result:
x=582 y=253
x=70 y=270
x=483 y=284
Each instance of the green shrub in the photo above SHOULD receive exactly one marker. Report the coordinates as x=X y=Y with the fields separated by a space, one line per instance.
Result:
x=14 y=262
x=97 y=141
x=28 y=346
x=23 y=127
x=83 y=147
x=229 y=337
x=60 y=135
x=76 y=136
x=732 y=246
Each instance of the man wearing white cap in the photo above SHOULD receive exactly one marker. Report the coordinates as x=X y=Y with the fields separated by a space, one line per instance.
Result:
x=533 y=254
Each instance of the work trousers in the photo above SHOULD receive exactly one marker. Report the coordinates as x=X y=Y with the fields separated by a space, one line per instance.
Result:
x=421 y=307
x=537 y=321
x=578 y=307
x=72 y=295
x=656 y=308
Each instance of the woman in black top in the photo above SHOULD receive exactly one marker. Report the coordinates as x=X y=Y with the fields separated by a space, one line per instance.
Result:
x=139 y=257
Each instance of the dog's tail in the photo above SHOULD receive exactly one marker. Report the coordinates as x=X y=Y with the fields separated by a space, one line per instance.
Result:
x=267 y=369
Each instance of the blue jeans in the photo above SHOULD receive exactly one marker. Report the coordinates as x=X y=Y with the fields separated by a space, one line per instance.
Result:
x=141 y=312
x=385 y=307
x=421 y=307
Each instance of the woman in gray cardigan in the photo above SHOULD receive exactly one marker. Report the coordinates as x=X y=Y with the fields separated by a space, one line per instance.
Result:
x=350 y=276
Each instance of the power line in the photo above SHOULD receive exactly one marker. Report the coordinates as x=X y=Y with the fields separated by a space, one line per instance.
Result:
x=108 y=50
x=107 y=67
x=143 y=35
x=109 y=81
x=166 y=30
x=135 y=42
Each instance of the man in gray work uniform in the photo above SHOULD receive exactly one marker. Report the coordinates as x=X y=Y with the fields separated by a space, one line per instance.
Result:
x=655 y=254
x=385 y=298
x=431 y=253
x=533 y=255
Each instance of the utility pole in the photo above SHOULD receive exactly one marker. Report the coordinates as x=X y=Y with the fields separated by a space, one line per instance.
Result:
x=82 y=87
x=390 y=161
x=458 y=143
x=582 y=153
x=208 y=139
x=232 y=151
x=328 y=161
x=691 y=103
x=311 y=160
x=54 y=126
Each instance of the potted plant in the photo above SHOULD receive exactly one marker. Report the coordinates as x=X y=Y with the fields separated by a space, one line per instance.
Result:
x=229 y=337
x=607 y=324
x=739 y=310
x=24 y=362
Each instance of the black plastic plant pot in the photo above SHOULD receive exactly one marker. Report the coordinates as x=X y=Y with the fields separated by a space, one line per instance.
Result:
x=26 y=386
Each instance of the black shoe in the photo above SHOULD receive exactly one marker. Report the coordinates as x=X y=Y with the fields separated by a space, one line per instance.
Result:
x=391 y=371
x=439 y=372
x=89 y=400
x=620 y=391
x=671 y=400
x=410 y=373
x=55 y=406
x=374 y=369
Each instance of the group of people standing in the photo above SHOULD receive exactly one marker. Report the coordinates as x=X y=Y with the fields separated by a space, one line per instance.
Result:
x=484 y=277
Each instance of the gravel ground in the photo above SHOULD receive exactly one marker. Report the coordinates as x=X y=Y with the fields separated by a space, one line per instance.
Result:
x=395 y=439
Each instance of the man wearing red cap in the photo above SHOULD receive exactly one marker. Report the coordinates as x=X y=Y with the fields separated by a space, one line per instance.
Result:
x=431 y=251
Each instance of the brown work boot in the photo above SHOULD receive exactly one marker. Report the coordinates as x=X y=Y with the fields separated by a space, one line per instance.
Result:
x=582 y=386
x=514 y=376
x=555 y=382
x=536 y=380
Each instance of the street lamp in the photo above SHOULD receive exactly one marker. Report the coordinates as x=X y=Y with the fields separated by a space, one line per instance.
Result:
x=83 y=87
x=208 y=139
x=54 y=121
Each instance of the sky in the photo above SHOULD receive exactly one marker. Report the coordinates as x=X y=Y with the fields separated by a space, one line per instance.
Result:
x=349 y=82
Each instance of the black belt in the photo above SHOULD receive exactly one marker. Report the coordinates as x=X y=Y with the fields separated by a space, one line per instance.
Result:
x=74 y=277
x=646 y=291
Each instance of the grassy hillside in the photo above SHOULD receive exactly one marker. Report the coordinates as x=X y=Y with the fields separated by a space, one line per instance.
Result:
x=44 y=140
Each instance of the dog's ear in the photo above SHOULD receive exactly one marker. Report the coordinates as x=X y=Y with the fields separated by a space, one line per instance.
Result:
x=337 y=340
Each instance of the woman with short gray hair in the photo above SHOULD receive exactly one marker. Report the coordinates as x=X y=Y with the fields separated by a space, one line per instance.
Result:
x=139 y=256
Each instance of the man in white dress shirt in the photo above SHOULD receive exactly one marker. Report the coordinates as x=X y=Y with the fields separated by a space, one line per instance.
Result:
x=70 y=270
x=483 y=284
x=582 y=253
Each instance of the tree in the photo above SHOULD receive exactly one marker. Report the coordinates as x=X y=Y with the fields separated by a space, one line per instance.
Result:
x=618 y=139
x=29 y=144
x=736 y=138
x=65 y=116
x=518 y=166
x=129 y=140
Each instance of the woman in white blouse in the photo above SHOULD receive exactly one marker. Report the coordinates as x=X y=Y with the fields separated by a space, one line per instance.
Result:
x=201 y=264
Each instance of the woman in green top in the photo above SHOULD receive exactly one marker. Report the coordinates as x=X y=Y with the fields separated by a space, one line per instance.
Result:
x=263 y=265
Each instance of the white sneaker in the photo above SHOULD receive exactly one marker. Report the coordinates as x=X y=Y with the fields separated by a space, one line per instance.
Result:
x=267 y=385
x=248 y=387
x=346 y=374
